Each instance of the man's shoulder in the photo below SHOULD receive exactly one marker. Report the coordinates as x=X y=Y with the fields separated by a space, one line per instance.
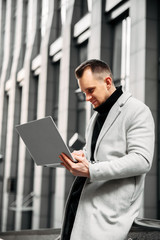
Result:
x=135 y=109
x=134 y=102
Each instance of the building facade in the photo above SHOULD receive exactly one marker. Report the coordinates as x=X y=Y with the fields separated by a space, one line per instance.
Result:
x=41 y=43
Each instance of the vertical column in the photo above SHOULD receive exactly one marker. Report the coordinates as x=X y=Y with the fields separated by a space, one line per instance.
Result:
x=39 y=217
x=151 y=95
x=63 y=111
x=26 y=112
x=95 y=40
x=158 y=117
x=95 y=37
x=143 y=77
x=9 y=134
x=3 y=103
x=14 y=110
x=138 y=51
x=138 y=42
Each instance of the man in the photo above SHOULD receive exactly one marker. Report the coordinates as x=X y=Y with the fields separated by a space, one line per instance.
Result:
x=106 y=196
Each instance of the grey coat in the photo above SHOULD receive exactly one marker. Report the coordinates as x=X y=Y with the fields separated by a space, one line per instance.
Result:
x=111 y=198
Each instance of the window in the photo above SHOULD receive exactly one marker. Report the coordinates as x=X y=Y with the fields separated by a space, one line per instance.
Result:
x=84 y=7
x=35 y=94
x=39 y=25
x=58 y=20
x=56 y=91
x=121 y=53
x=81 y=106
x=12 y=36
x=3 y=146
x=30 y=24
x=2 y=31
x=24 y=35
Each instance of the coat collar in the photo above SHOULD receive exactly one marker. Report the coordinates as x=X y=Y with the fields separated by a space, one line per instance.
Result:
x=113 y=114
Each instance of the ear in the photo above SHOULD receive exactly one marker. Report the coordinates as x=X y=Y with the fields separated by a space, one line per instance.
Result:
x=108 y=81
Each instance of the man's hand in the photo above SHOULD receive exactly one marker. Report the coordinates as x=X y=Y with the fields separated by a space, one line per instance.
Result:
x=81 y=168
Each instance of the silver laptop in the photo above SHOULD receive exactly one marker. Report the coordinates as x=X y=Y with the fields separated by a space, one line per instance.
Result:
x=43 y=141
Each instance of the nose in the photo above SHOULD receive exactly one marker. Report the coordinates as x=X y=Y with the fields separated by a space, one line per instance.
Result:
x=88 y=97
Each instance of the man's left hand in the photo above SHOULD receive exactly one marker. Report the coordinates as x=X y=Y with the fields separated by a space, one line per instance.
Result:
x=81 y=168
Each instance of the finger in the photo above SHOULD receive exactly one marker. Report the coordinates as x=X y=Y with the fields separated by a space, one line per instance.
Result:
x=64 y=163
x=78 y=153
x=67 y=159
x=80 y=158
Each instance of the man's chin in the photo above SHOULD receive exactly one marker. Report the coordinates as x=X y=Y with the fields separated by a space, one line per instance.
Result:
x=95 y=105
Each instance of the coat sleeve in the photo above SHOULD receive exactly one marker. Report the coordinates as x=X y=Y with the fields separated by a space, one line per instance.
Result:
x=139 y=150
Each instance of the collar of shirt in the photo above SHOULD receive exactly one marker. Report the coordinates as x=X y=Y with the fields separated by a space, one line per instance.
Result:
x=105 y=107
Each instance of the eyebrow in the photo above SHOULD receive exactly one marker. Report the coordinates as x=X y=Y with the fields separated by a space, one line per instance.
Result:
x=89 y=88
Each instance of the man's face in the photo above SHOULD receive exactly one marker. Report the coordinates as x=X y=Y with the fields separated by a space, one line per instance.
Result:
x=96 y=90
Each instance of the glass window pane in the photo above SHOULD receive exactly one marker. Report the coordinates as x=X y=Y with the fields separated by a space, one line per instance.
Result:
x=121 y=53
x=117 y=52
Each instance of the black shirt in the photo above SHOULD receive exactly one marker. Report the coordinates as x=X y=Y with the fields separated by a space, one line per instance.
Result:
x=103 y=111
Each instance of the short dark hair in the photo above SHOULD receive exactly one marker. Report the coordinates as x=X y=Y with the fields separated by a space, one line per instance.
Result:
x=96 y=66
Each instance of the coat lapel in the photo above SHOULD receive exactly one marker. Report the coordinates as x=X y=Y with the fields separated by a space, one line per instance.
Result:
x=112 y=116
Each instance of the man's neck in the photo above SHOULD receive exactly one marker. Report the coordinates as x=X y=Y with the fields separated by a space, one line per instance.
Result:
x=106 y=106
